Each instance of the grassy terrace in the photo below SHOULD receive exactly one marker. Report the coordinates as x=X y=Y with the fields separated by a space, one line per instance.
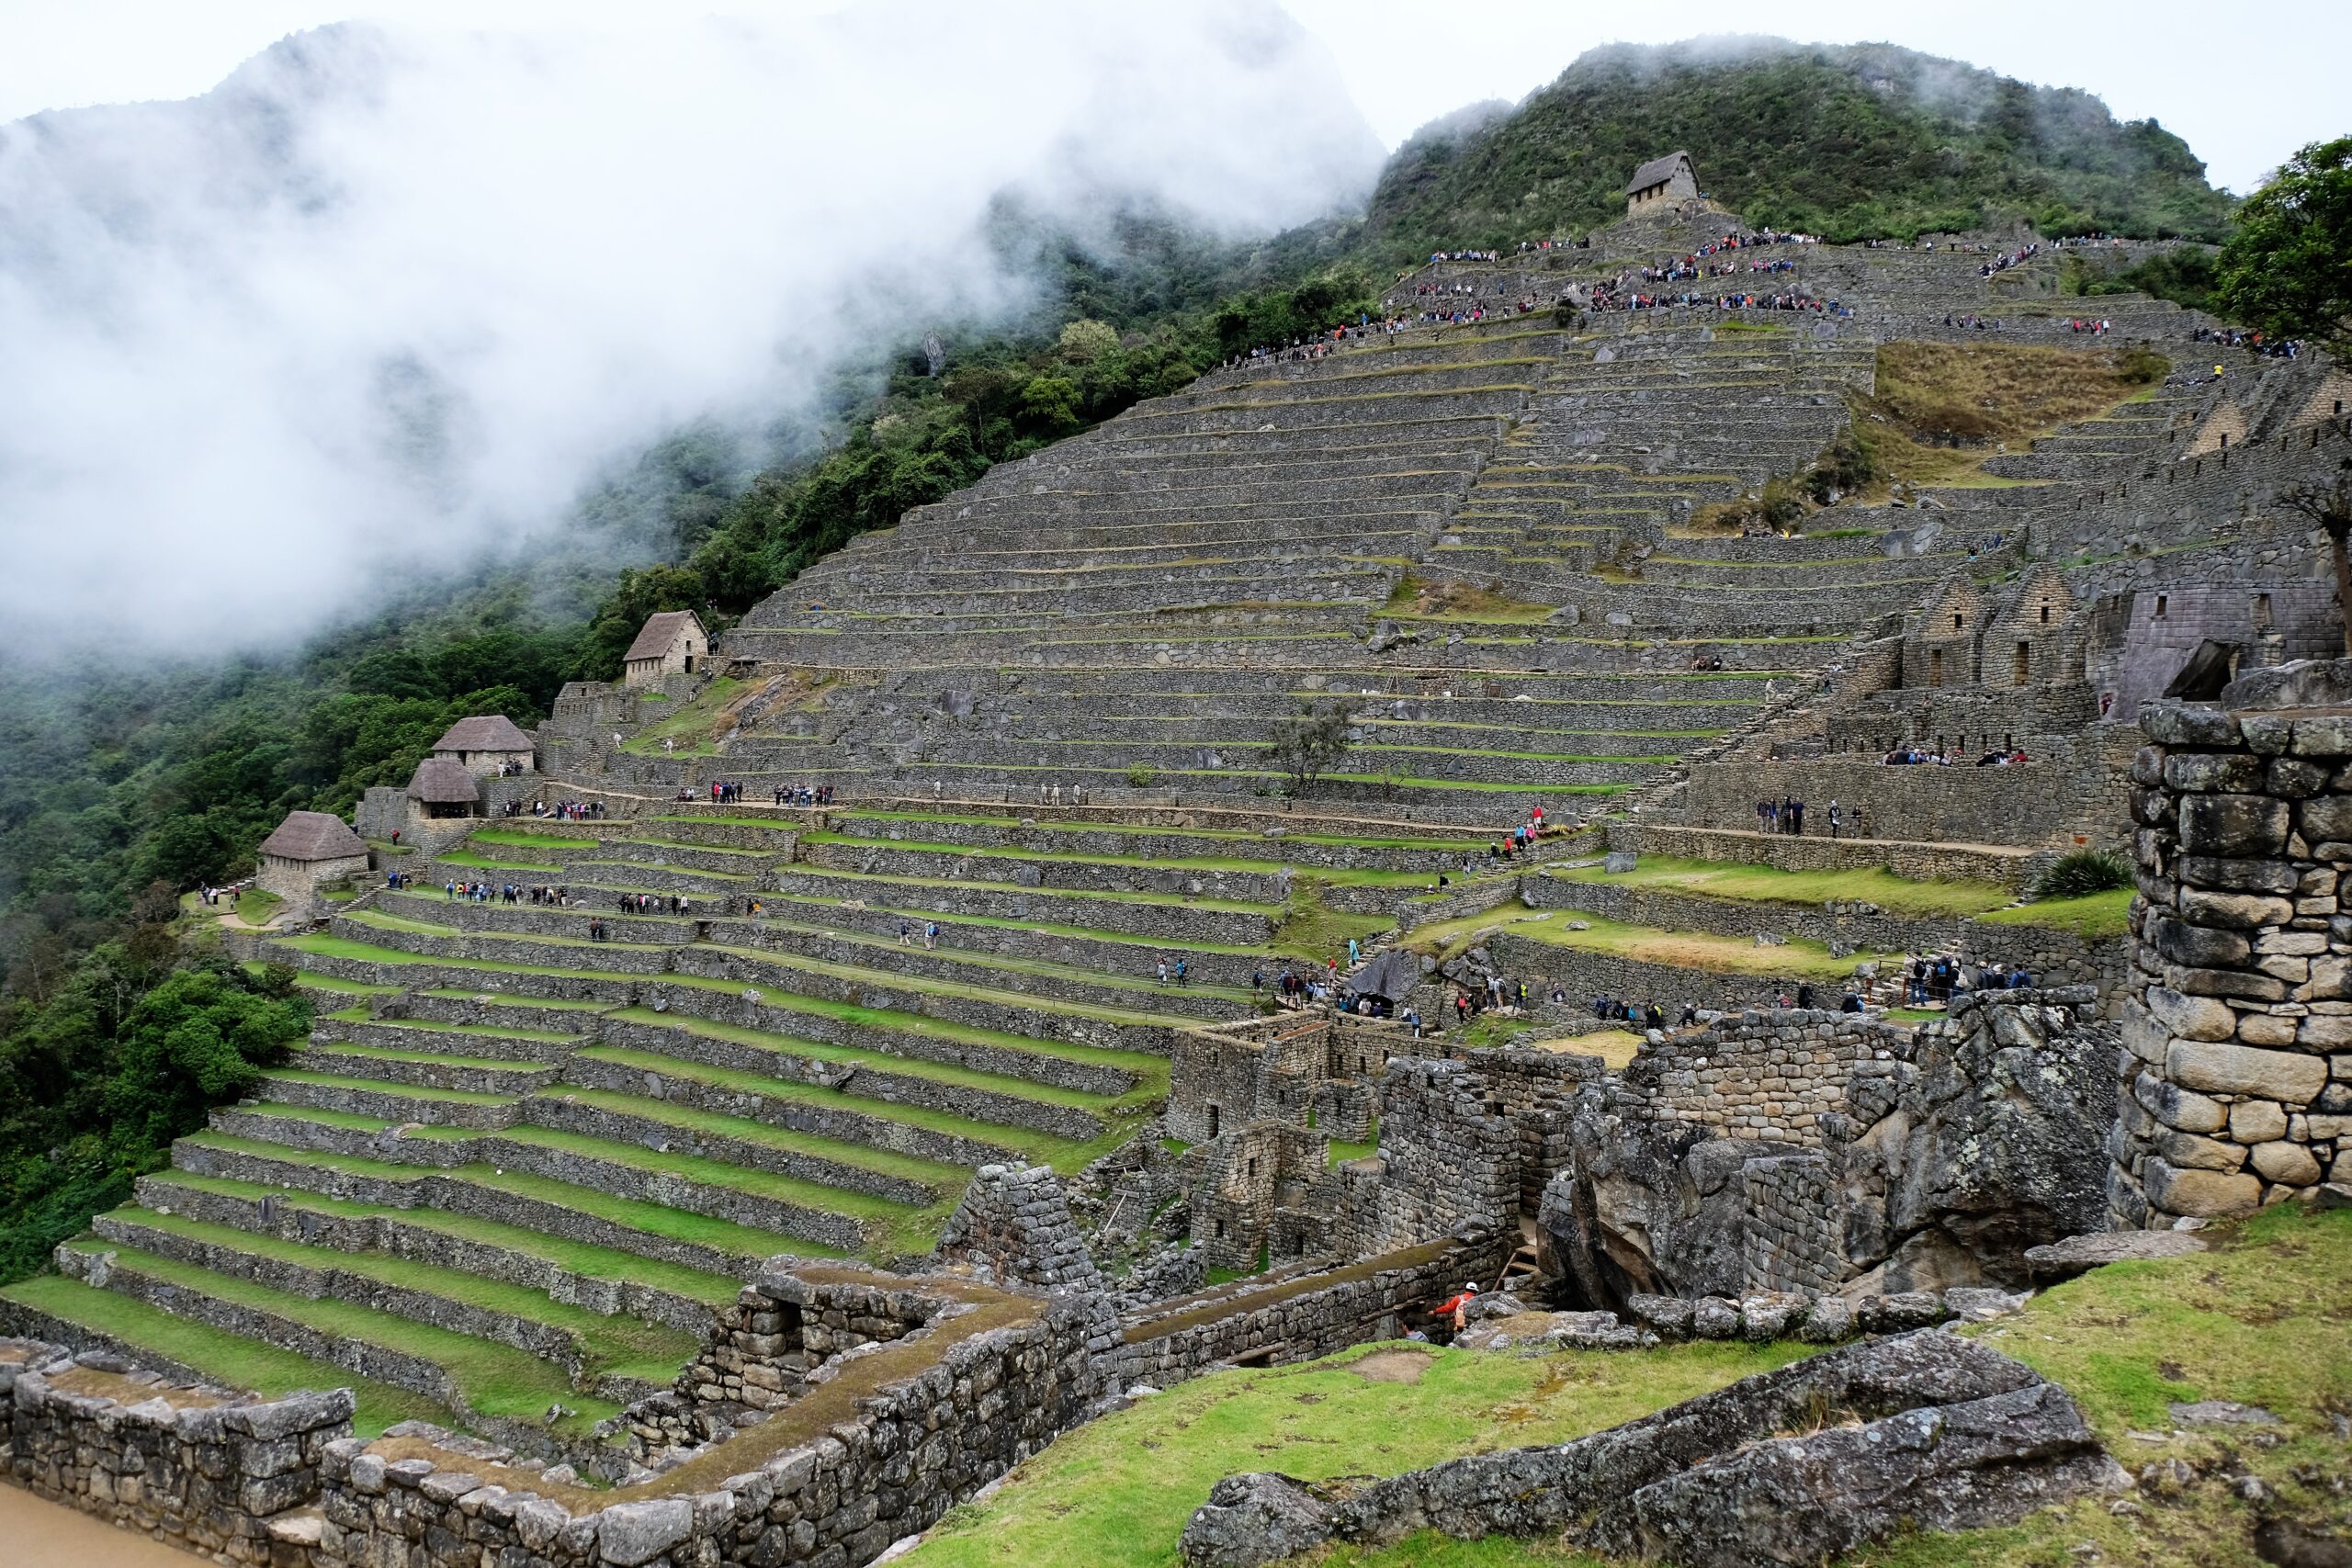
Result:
x=1231 y=835
x=1038 y=1148
x=522 y=839
x=746 y=1242
x=1010 y=889
x=1797 y=959
x=229 y=1359
x=622 y=1344
x=1172 y=863
x=2093 y=916
x=495 y=1380
x=1081 y=934
x=994 y=965
x=1764 y=883
x=578 y=1257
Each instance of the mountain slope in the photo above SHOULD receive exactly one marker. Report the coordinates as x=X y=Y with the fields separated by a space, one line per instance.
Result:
x=1850 y=141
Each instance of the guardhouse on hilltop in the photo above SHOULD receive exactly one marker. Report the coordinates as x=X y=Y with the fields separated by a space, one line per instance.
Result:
x=485 y=744
x=672 y=643
x=310 y=848
x=1661 y=182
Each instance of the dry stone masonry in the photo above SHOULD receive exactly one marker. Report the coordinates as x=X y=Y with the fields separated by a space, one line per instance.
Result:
x=2239 y=1073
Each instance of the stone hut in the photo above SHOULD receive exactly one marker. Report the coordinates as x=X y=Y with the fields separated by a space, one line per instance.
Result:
x=1942 y=650
x=672 y=643
x=485 y=745
x=1661 y=182
x=444 y=787
x=2224 y=428
x=2036 y=636
x=309 y=849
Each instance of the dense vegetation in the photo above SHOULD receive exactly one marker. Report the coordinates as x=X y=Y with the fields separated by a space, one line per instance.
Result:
x=1848 y=143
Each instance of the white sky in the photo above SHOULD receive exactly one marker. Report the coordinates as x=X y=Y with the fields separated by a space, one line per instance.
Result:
x=1405 y=60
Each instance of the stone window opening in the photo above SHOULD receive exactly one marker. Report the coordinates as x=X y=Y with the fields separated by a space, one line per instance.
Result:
x=2262 y=610
x=2160 y=607
x=2008 y=742
x=2045 y=612
x=1213 y=1124
x=1955 y=620
x=1935 y=665
x=2024 y=667
x=1254 y=1167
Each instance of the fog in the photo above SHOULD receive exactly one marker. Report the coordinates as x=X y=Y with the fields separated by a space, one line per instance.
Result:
x=385 y=298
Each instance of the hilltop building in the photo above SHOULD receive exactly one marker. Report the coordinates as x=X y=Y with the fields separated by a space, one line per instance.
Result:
x=672 y=643
x=1661 y=182
x=308 y=849
x=486 y=744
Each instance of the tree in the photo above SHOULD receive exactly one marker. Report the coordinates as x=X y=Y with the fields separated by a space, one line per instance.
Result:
x=2286 y=268
x=1306 y=744
x=2330 y=506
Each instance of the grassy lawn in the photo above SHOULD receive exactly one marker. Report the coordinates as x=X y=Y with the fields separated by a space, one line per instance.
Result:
x=1764 y=883
x=256 y=908
x=1796 y=959
x=529 y=841
x=2262 y=1320
x=2092 y=916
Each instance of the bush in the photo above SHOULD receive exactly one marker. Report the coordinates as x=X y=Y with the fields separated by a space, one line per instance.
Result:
x=1140 y=777
x=2084 y=872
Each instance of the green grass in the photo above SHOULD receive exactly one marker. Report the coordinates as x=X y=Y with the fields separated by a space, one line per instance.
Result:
x=1764 y=883
x=746 y=1242
x=494 y=1379
x=529 y=841
x=1796 y=960
x=2261 y=1320
x=692 y=728
x=578 y=1257
x=624 y=1345
x=2092 y=916
x=228 y=1360
x=478 y=863
x=256 y=908
x=1115 y=1494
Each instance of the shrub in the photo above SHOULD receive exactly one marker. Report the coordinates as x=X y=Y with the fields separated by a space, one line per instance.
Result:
x=1140 y=777
x=2083 y=872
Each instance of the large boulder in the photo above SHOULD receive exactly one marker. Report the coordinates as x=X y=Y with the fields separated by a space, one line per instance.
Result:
x=1926 y=1431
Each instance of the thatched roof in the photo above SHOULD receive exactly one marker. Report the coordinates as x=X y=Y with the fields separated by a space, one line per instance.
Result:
x=1656 y=172
x=660 y=631
x=314 y=835
x=443 y=780
x=484 y=732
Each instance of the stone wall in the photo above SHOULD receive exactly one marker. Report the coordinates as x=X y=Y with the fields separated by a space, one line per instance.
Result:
x=195 y=1466
x=2239 y=1073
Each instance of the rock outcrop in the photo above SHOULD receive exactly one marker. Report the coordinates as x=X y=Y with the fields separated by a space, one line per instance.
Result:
x=1927 y=1431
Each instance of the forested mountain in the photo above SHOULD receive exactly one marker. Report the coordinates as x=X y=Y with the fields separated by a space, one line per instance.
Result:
x=1849 y=142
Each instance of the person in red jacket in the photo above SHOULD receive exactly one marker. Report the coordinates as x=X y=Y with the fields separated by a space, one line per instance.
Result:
x=1454 y=1307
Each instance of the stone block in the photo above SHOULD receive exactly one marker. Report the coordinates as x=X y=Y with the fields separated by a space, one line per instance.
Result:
x=2189 y=1152
x=2171 y=723
x=2195 y=947
x=2227 y=983
x=2290 y=1165
x=2233 y=911
x=2257 y=1121
x=2201 y=1194
x=2215 y=773
x=2178 y=1107
x=2291 y=778
x=2325 y=816
x=2323 y=735
x=2238 y=875
x=2231 y=826
x=2294 y=1078
x=2191 y=1018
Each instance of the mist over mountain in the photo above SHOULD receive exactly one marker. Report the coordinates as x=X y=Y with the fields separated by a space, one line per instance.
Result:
x=385 y=301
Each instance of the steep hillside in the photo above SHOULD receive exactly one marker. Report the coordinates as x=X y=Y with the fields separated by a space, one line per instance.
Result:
x=1851 y=142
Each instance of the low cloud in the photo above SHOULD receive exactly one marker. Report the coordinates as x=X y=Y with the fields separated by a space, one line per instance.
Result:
x=385 y=298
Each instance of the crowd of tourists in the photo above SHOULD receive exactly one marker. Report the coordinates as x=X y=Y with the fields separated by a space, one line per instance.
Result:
x=803 y=795
x=571 y=810
x=1909 y=756
x=1972 y=323
x=1933 y=979
x=1605 y=297
x=2008 y=259
x=2253 y=342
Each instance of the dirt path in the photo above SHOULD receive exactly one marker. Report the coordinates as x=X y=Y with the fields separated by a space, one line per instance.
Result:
x=34 y=1531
